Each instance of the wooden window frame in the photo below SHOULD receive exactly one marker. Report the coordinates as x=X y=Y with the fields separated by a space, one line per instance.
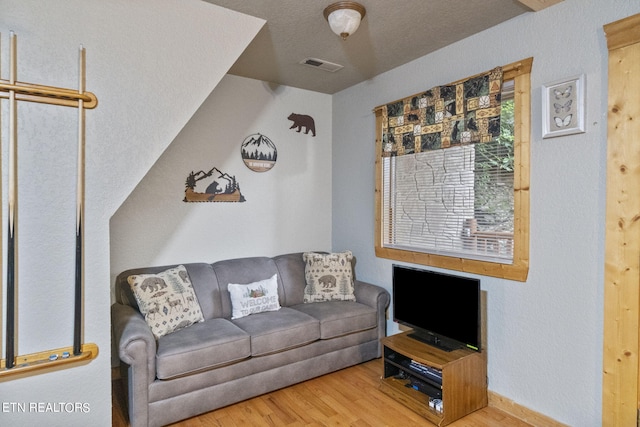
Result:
x=518 y=270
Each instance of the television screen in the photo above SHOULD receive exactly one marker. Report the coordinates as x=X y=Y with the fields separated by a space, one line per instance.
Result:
x=442 y=309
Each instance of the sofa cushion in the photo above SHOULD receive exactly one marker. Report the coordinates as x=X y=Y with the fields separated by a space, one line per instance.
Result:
x=329 y=277
x=253 y=298
x=209 y=344
x=166 y=299
x=339 y=318
x=279 y=330
x=291 y=274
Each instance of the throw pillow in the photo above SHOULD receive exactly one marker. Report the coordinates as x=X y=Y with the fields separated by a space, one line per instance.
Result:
x=329 y=277
x=254 y=297
x=166 y=299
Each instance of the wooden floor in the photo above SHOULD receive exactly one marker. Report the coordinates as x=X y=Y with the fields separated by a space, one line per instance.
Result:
x=349 y=397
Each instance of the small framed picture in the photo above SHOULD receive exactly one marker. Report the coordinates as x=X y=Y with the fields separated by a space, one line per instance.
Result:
x=563 y=107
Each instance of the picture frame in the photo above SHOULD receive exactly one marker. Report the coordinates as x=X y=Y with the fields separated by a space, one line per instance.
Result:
x=563 y=107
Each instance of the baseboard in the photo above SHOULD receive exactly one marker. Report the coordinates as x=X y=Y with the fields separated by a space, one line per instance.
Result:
x=525 y=414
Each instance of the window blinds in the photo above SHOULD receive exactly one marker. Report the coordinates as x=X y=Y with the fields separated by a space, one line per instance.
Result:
x=454 y=201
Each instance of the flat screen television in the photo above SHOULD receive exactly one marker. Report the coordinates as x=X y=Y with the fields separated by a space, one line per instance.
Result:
x=442 y=309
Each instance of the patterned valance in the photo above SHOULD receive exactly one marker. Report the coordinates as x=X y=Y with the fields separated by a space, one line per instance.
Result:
x=460 y=113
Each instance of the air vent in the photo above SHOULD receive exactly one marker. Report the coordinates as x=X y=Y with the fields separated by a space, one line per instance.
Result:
x=321 y=64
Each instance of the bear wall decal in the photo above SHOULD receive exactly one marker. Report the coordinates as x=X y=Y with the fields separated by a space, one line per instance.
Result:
x=302 y=120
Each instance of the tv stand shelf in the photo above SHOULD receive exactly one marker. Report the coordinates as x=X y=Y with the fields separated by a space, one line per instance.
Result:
x=458 y=378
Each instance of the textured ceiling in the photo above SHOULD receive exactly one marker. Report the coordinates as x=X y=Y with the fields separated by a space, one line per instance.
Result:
x=391 y=34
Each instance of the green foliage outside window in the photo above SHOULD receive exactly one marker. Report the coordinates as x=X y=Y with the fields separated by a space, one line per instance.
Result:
x=494 y=165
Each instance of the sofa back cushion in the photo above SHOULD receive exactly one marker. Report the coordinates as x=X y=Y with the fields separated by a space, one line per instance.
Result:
x=291 y=273
x=210 y=281
x=202 y=278
x=242 y=271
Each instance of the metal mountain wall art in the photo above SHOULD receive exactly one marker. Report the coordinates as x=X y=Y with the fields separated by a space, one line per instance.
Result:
x=258 y=153
x=212 y=186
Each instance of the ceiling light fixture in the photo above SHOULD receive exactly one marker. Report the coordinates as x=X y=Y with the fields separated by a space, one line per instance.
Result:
x=344 y=17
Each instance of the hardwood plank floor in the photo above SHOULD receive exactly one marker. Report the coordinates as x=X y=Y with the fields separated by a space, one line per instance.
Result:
x=349 y=397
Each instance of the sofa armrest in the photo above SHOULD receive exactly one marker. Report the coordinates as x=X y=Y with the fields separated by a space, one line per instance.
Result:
x=372 y=295
x=135 y=343
x=137 y=349
x=376 y=297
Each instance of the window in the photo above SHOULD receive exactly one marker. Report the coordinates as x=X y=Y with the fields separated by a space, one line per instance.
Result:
x=465 y=207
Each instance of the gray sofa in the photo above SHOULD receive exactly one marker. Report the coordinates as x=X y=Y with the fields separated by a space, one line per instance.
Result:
x=220 y=361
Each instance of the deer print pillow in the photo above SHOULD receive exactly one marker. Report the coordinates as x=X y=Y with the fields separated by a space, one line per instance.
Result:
x=329 y=277
x=167 y=300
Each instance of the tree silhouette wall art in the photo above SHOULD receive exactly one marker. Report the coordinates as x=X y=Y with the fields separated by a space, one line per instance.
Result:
x=212 y=186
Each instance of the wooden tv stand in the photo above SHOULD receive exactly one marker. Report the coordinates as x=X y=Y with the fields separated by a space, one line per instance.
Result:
x=462 y=383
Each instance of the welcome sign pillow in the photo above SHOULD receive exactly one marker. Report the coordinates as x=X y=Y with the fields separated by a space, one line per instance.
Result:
x=254 y=297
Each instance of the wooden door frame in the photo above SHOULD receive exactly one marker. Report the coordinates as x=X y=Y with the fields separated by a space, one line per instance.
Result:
x=621 y=343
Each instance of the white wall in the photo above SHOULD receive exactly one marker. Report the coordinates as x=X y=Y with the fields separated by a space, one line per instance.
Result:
x=287 y=209
x=151 y=64
x=544 y=335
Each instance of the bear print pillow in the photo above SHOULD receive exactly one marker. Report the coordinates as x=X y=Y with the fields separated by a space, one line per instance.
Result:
x=167 y=300
x=329 y=277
